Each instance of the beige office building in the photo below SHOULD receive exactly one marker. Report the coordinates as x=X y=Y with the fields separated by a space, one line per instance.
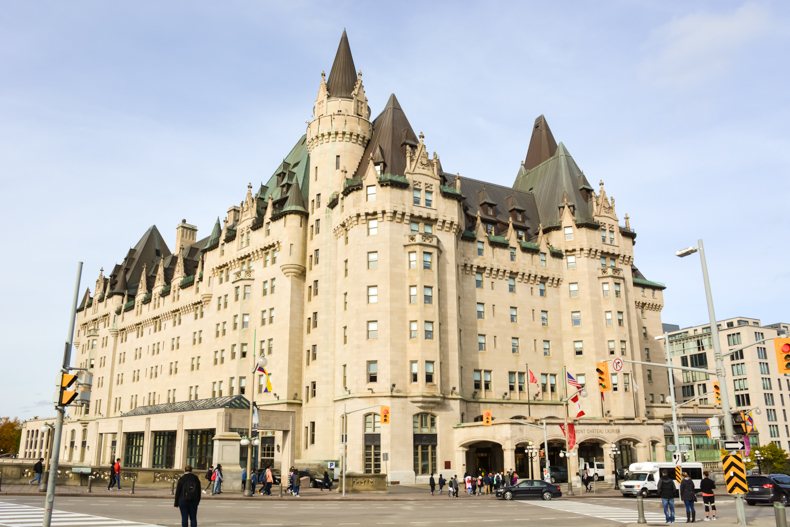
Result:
x=369 y=276
x=751 y=373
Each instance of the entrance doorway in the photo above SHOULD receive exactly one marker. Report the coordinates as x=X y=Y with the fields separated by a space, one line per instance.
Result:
x=484 y=456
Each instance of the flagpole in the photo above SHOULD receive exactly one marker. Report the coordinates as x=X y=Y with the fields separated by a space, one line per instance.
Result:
x=567 y=433
x=529 y=401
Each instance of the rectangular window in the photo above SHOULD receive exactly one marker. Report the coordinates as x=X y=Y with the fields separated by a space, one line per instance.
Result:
x=617 y=290
x=570 y=261
x=512 y=254
x=511 y=285
x=546 y=348
x=373 y=260
x=414 y=227
x=620 y=319
x=428 y=330
x=133 y=454
x=576 y=318
x=427 y=260
x=605 y=289
x=373 y=227
x=573 y=289
x=623 y=347
x=373 y=294
x=611 y=346
x=568 y=231
x=608 y=318
x=578 y=347
x=428 y=198
x=514 y=345
x=542 y=259
x=412 y=329
x=427 y=294
x=481 y=311
x=245 y=321
x=429 y=364
x=542 y=289
x=416 y=196
x=414 y=371
x=412 y=294
x=373 y=329
x=544 y=318
x=373 y=371
x=370 y=193
x=480 y=248
x=478 y=280
x=513 y=314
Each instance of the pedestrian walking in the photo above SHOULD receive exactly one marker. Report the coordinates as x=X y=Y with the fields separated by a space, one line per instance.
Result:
x=666 y=491
x=689 y=496
x=188 y=490
x=327 y=482
x=217 y=478
x=442 y=482
x=38 y=470
x=253 y=479
x=209 y=478
x=116 y=474
x=454 y=483
x=111 y=482
x=707 y=486
x=243 y=479
x=268 y=481
x=432 y=484
x=295 y=483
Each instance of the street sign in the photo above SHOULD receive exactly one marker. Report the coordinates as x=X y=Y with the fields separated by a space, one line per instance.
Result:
x=330 y=465
x=617 y=364
x=734 y=445
x=734 y=474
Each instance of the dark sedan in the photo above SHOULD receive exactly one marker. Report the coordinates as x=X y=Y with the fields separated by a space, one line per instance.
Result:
x=529 y=488
x=768 y=488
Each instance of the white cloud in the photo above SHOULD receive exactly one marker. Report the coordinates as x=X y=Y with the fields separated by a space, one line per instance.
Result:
x=693 y=49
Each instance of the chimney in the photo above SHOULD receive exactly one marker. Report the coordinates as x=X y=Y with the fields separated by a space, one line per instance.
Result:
x=186 y=235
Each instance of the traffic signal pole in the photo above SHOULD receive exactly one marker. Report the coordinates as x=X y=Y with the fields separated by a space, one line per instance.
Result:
x=54 y=452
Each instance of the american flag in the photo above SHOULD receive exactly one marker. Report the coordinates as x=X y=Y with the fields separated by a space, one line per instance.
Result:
x=573 y=382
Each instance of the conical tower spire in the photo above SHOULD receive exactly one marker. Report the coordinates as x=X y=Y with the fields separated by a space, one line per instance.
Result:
x=343 y=75
x=541 y=145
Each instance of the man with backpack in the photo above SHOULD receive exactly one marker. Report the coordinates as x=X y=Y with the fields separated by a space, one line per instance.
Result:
x=209 y=475
x=187 y=499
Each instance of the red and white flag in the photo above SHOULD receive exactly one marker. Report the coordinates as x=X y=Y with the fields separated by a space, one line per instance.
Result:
x=579 y=412
x=532 y=378
x=571 y=435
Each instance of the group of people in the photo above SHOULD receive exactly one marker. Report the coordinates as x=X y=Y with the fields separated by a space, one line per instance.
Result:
x=115 y=475
x=484 y=483
x=688 y=493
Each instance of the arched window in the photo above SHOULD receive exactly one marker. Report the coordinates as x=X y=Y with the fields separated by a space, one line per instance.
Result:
x=425 y=442
x=372 y=459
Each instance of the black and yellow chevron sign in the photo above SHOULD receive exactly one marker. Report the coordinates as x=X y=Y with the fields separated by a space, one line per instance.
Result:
x=734 y=473
x=678 y=474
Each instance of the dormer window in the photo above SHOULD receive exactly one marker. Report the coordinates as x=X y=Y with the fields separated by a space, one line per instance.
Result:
x=379 y=168
x=489 y=229
x=490 y=210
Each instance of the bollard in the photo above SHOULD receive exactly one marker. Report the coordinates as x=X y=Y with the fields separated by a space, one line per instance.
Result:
x=90 y=484
x=740 y=511
x=1 y=480
x=779 y=514
x=134 y=480
x=640 y=509
x=173 y=487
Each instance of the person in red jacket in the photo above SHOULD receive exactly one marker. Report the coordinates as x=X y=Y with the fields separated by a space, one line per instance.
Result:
x=116 y=470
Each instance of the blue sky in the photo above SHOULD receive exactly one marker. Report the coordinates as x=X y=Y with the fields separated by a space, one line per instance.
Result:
x=118 y=115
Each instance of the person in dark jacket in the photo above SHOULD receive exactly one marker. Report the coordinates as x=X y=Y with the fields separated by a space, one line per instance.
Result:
x=442 y=482
x=666 y=491
x=689 y=496
x=432 y=484
x=327 y=481
x=38 y=470
x=707 y=486
x=188 y=491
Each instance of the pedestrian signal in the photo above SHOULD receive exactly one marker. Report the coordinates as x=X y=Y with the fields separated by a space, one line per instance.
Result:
x=782 y=347
x=68 y=390
x=487 y=417
x=604 y=382
x=385 y=415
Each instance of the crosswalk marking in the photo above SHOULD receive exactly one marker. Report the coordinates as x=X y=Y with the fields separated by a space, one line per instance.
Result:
x=604 y=512
x=17 y=515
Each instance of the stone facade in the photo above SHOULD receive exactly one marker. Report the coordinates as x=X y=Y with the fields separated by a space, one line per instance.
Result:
x=368 y=277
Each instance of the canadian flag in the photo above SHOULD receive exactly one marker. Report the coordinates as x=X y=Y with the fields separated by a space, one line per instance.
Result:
x=570 y=434
x=532 y=378
x=579 y=412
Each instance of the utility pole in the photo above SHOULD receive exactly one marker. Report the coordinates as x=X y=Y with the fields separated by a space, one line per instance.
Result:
x=61 y=410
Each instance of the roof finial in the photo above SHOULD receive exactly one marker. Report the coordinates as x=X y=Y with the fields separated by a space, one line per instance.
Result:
x=627 y=221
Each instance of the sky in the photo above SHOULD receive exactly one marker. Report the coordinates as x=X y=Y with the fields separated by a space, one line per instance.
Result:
x=118 y=115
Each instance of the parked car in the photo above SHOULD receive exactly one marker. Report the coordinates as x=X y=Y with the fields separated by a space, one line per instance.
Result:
x=529 y=488
x=558 y=474
x=767 y=488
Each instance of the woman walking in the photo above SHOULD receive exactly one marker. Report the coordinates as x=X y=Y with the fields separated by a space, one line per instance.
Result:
x=688 y=495
x=217 y=480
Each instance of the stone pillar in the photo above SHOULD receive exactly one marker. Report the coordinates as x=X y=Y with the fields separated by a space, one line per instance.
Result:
x=179 y=458
x=460 y=461
x=147 y=444
x=226 y=453
x=509 y=459
x=642 y=452
x=661 y=452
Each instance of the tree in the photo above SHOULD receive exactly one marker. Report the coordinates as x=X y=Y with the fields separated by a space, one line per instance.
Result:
x=10 y=434
x=774 y=458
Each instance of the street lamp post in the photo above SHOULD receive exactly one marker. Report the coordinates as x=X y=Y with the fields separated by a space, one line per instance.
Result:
x=614 y=453
x=758 y=457
x=249 y=442
x=531 y=452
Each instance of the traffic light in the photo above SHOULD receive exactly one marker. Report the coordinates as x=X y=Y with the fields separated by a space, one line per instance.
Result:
x=604 y=382
x=68 y=389
x=717 y=391
x=487 y=417
x=782 y=347
x=713 y=430
x=385 y=415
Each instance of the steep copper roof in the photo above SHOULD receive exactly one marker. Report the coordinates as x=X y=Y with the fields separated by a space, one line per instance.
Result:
x=541 y=145
x=343 y=75
x=391 y=133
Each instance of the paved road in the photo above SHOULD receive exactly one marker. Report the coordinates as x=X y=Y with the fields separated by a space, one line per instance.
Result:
x=24 y=511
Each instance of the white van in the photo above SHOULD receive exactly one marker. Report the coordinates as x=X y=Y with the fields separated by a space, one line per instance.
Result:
x=643 y=478
x=594 y=469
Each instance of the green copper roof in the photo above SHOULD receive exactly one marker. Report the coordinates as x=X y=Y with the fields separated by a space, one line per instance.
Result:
x=498 y=240
x=530 y=246
x=393 y=179
x=649 y=284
